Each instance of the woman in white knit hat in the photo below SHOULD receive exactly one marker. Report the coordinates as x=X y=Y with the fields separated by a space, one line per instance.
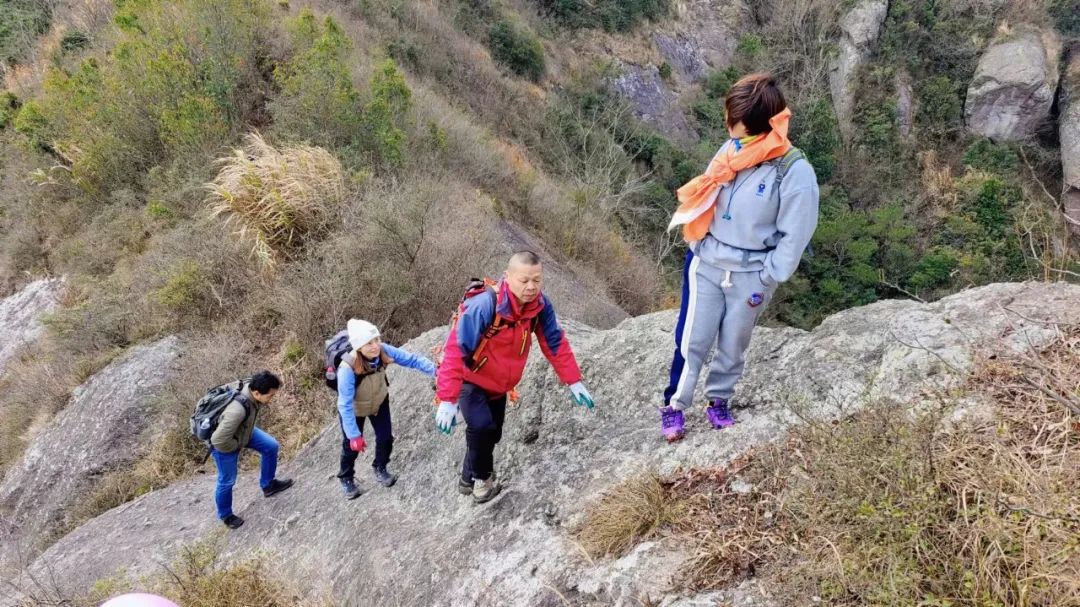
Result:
x=363 y=393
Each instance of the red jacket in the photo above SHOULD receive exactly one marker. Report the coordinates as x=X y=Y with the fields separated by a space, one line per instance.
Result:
x=503 y=359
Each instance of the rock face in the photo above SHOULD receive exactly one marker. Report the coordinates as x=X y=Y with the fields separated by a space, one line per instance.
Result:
x=1014 y=85
x=861 y=27
x=421 y=543
x=99 y=431
x=20 y=316
x=682 y=53
x=654 y=103
x=1070 y=141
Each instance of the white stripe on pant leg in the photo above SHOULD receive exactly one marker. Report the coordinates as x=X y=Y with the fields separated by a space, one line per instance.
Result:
x=688 y=328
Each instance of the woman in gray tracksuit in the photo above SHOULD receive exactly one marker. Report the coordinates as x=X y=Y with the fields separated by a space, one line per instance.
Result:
x=763 y=219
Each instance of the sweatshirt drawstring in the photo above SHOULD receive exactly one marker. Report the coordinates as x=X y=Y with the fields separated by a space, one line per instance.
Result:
x=727 y=284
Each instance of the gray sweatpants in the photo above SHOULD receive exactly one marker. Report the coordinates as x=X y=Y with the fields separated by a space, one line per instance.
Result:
x=712 y=312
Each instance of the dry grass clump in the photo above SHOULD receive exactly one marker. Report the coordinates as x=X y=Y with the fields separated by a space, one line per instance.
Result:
x=627 y=514
x=276 y=197
x=195 y=578
x=732 y=532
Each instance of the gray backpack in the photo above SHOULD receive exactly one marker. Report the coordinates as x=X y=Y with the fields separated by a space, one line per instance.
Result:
x=204 y=420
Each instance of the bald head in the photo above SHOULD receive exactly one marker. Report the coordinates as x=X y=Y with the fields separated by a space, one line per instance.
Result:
x=524 y=275
x=523 y=258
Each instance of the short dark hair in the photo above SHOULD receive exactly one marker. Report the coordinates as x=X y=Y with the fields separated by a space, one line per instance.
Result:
x=525 y=258
x=264 y=381
x=753 y=100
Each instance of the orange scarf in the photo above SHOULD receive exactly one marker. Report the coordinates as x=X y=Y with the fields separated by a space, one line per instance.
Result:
x=697 y=199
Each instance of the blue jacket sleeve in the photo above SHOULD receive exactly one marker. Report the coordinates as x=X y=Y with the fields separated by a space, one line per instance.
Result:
x=346 y=382
x=410 y=360
x=478 y=315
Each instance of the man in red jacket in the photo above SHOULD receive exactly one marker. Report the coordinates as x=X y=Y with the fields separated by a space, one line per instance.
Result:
x=479 y=384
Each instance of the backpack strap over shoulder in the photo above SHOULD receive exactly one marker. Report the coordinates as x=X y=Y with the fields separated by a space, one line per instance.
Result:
x=786 y=161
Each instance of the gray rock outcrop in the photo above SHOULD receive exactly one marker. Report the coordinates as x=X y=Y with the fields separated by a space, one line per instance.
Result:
x=860 y=29
x=1069 y=130
x=20 y=316
x=1014 y=85
x=653 y=102
x=97 y=432
x=421 y=543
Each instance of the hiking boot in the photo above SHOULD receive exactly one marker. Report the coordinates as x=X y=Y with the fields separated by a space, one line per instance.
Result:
x=671 y=424
x=485 y=491
x=464 y=487
x=384 y=478
x=232 y=521
x=277 y=486
x=719 y=415
x=348 y=486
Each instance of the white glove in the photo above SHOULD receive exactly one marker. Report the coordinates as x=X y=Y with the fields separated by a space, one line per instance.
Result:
x=581 y=395
x=446 y=417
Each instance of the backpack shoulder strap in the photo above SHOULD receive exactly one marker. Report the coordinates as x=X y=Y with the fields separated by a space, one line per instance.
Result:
x=786 y=161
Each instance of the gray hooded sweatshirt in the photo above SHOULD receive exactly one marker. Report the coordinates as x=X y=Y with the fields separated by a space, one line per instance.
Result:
x=760 y=225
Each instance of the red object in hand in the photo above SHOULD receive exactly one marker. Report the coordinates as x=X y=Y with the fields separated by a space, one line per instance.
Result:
x=357 y=444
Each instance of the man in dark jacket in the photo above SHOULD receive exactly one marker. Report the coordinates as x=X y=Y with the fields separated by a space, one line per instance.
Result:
x=236 y=430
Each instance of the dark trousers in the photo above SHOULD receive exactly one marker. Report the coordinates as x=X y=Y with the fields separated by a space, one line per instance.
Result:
x=384 y=441
x=484 y=416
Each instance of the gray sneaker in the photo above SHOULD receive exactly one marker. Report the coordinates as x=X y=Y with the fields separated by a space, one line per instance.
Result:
x=485 y=491
x=465 y=487
x=384 y=478
x=348 y=486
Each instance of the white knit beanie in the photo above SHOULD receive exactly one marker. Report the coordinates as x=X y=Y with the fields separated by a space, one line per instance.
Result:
x=361 y=332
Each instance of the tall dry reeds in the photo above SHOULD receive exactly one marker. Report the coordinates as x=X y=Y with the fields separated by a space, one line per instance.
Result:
x=276 y=197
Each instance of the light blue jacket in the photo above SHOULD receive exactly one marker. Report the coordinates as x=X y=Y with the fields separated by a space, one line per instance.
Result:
x=760 y=226
x=346 y=379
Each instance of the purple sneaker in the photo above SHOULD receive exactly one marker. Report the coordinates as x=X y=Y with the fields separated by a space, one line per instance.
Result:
x=671 y=424
x=719 y=416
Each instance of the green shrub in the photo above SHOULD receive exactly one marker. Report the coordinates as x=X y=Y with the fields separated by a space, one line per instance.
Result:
x=184 y=289
x=21 y=22
x=664 y=70
x=815 y=131
x=989 y=199
x=984 y=155
x=30 y=121
x=612 y=15
x=517 y=48
x=940 y=110
x=933 y=270
x=9 y=108
x=1066 y=15
x=385 y=115
x=181 y=78
x=73 y=41
x=318 y=102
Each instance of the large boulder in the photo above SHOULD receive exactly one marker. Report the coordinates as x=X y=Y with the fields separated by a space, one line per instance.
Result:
x=653 y=102
x=1070 y=141
x=420 y=543
x=20 y=316
x=1014 y=84
x=97 y=432
x=860 y=28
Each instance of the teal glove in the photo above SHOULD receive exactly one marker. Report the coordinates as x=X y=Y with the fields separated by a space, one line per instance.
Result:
x=581 y=395
x=446 y=417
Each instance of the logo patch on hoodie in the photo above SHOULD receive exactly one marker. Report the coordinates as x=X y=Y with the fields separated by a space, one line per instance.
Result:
x=761 y=189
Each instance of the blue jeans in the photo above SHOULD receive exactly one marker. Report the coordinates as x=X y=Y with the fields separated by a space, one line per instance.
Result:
x=227 y=464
